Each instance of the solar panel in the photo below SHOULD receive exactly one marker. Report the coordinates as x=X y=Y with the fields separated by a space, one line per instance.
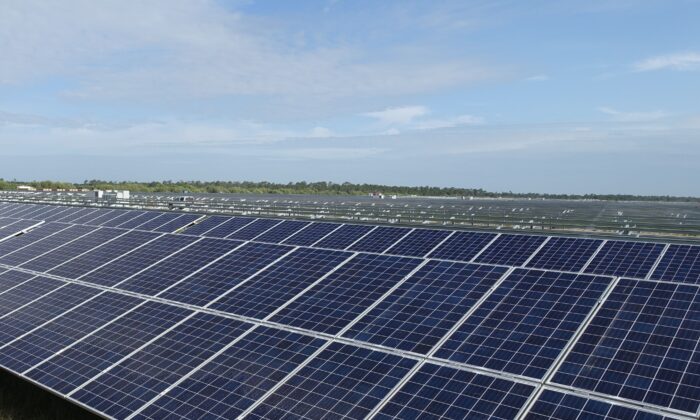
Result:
x=17 y=227
x=207 y=224
x=642 y=345
x=680 y=263
x=214 y=280
x=90 y=356
x=125 y=387
x=311 y=234
x=234 y=380
x=267 y=291
x=336 y=301
x=526 y=322
x=426 y=306
x=10 y=279
x=462 y=246
x=227 y=228
x=88 y=215
x=282 y=231
x=123 y=218
x=419 y=242
x=66 y=252
x=440 y=392
x=60 y=214
x=177 y=223
x=344 y=236
x=178 y=266
x=25 y=292
x=139 y=220
x=555 y=405
x=157 y=222
x=70 y=217
x=566 y=254
x=32 y=236
x=510 y=249
x=102 y=254
x=140 y=259
x=379 y=239
x=254 y=229
x=626 y=259
x=105 y=216
x=343 y=381
x=25 y=352
x=45 y=245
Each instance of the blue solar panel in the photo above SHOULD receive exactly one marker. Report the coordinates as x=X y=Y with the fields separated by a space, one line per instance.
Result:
x=210 y=283
x=122 y=218
x=73 y=325
x=104 y=217
x=25 y=292
x=440 y=392
x=341 y=297
x=311 y=234
x=379 y=239
x=139 y=220
x=157 y=222
x=419 y=242
x=234 y=380
x=254 y=229
x=343 y=381
x=226 y=228
x=511 y=249
x=16 y=227
x=177 y=223
x=103 y=254
x=680 y=263
x=265 y=292
x=88 y=215
x=135 y=261
x=34 y=235
x=628 y=259
x=45 y=245
x=79 y=246
x=567 y=254
x=60 y=214
x=554 y=405
x=207 y=224
x=10 y=279
x=423 y=309
x=526 y=322
x=93 y=354
x=343 y=236
x=38 y=312
x=141 y=377
x=462 y=246
x=641 y=345
x=178 y=266
x=282 y=231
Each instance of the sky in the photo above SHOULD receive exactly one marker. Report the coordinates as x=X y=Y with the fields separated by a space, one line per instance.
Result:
x=525 y=96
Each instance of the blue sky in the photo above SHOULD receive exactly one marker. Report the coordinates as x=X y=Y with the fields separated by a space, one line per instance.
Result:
x=546 y=96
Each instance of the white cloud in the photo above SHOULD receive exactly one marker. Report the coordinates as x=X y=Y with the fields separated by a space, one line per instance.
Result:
x=400 y=115
x=321 y=132
x=391 y=132
x=537 y=78
x=633 y=116
x=678 y=61
x=449 y=122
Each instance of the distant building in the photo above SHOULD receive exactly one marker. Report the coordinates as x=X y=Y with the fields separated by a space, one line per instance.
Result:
x=25 y=188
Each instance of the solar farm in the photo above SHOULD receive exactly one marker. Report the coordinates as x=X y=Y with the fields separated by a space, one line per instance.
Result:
x=135 y=314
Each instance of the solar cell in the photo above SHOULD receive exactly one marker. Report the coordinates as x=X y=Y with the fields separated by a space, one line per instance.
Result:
x=124 y=388
x=254 y=229
x=379 y=239
x=139 y=220
x=214 y=280
x=45 y=245
x=511 y=249
x=207 y=224
x=567 y=254
x=89 y=261
x=227 y=228
x=642 y=345
x=91 y=355
x=282 y=231
x=626 y=259
x=267 y=291
x=60 y=214
x=311 y=234
x=30 y=237
x=177 y=223
x=72 y=249
x=440 y=392
x=526 y=322
x=25 y=292
x=103 y=217
x=419 y=242
x=10 y=279
x=70 y=217
x=122 y=218
x=462 y=246
x=25 y=352
x=17 y=227
x=423 y=309
x=556 y=405
x=336 y=301
x=157 y=222
x=119 y=215
x=178 y=266
x=234 y=380
x=342 y=381
x=680 y=263
x=344 y=236
x=133 y=262
x=89 y=215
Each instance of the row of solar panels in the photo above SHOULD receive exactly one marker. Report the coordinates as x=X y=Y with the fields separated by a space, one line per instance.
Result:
x=680 y=263
x=462 y=313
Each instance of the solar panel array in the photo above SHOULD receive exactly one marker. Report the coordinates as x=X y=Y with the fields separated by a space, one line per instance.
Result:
x=142 y=314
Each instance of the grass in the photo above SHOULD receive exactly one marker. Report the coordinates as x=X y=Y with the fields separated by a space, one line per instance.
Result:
x=20 y=399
